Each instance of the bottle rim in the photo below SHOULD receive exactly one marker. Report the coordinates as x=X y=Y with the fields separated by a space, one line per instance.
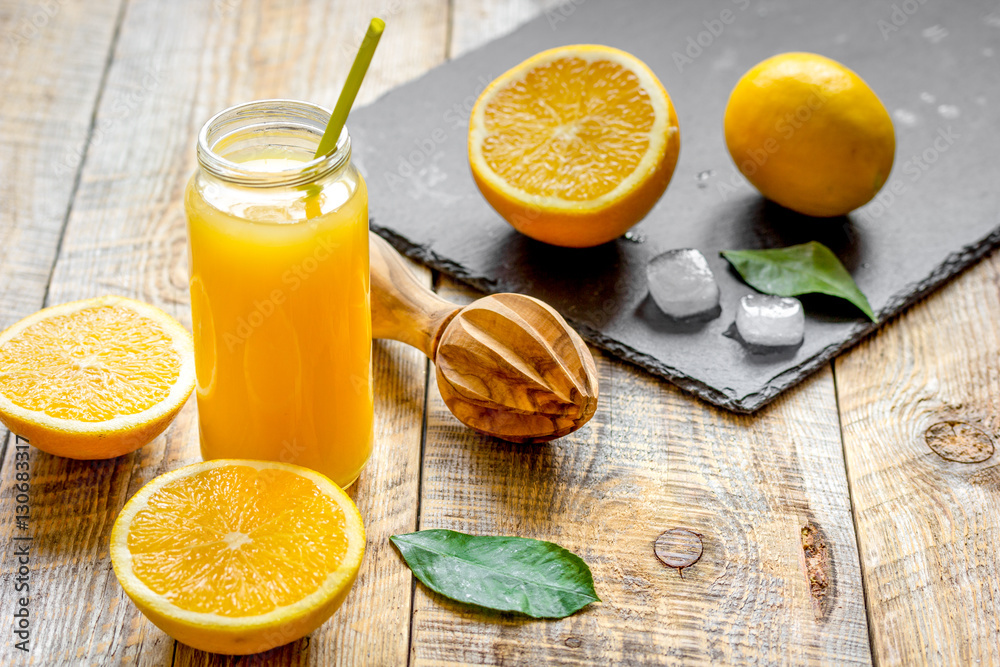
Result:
x=261 y=117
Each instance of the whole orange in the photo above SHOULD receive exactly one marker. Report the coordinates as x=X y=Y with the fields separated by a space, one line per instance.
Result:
x=810 y=134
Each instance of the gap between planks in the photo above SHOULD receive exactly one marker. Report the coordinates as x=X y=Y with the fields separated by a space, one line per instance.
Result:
x=88 y=138
x=428 y=373
x=854 y=514
x=101 y=88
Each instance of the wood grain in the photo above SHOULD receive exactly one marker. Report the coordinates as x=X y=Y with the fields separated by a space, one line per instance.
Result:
x=509 y=366
x=51 y=63
x=403 y=308
x=51 y=79
x=52 y=59
x=175 y=65
x=919 y=408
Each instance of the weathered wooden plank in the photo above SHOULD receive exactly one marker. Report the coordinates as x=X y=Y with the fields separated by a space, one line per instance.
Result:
x=919 y=409
x=778 y=581
x=51 y=67
x=176 y=64
x=52 y=63
x=52 y=60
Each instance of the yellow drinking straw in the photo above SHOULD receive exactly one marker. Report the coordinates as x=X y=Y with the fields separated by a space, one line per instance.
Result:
x=357 y=74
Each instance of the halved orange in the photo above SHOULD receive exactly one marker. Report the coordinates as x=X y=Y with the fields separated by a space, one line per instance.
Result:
x=574 y=145
x=94 y=379
x=237 y=557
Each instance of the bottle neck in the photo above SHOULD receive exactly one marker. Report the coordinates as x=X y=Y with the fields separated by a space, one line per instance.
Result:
x=270 y=143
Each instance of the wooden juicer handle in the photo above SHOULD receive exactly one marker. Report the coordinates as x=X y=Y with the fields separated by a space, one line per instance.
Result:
x=508 y=365
x=402 y=308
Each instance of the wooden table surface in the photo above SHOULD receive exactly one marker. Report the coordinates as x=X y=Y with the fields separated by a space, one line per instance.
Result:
x=855 y=520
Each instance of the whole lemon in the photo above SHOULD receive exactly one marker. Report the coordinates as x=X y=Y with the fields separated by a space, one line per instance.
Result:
x=810 y=134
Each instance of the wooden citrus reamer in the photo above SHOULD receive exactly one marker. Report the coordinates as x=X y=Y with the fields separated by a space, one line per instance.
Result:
x=508 y=365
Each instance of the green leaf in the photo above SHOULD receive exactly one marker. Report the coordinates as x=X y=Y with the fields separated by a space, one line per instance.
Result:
x=799 y=269
x=536 y=578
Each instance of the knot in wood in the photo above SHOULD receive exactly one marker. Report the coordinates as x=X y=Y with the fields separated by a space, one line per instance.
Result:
x=817 y=561
x=959 y=442
x=510 y=366
x=678 y=548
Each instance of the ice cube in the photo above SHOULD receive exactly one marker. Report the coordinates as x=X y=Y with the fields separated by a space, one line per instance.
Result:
x=681 y=283
x=770 y=321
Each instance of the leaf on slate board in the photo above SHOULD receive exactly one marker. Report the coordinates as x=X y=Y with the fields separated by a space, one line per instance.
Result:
x=536 y=578
x=799 y=269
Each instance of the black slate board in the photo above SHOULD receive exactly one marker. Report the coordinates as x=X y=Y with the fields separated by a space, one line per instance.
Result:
x=936 y=68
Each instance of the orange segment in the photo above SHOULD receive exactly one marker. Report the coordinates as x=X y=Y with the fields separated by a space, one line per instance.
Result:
x=574 y=145
x=238 y=556
x=95 y=378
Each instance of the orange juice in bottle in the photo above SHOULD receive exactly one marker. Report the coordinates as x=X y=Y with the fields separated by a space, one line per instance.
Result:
x=279 y=291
